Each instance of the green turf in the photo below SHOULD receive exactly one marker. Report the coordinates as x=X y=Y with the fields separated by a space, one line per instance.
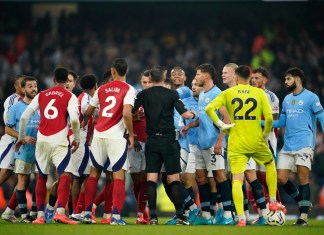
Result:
x=316 y=227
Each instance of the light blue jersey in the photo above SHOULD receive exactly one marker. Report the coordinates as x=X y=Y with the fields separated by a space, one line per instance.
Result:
x=184 y=92
x=192 y=104
x=207 y=132
x=299 y=116
x=27 y=152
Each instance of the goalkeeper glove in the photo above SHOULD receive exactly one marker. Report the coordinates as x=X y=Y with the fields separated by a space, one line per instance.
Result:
x=224 y=127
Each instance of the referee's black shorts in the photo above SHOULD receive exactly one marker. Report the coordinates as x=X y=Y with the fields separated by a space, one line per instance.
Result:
x=161 y=149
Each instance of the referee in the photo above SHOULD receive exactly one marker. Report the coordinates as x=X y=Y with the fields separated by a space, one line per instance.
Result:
x=162 y=145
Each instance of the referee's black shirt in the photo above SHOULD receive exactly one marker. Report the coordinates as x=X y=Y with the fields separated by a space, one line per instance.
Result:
x=159 y=103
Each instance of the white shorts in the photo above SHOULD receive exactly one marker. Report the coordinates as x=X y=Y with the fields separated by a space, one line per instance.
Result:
x=52 y=153
x=290 y=159
x=210 y=161
x=79 y=162
x=7 y=152
x=136 y=160
x=184 y=156
x=24 y=168
x=109 y=154
x=191 y=163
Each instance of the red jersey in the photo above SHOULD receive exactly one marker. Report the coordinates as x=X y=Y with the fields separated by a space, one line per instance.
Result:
x=111 y=98
x=140 y=125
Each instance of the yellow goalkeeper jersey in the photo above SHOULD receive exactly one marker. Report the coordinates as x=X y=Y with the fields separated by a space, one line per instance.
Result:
x=246 y=106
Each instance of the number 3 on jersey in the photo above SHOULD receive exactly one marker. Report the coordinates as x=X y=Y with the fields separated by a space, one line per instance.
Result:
x=111 y=100
x=51 y=112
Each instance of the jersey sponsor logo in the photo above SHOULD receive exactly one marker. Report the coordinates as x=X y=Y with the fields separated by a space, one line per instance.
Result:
x=294 y=111
x=300 y=102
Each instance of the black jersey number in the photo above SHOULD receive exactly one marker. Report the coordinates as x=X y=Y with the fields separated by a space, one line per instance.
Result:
x=247 y=115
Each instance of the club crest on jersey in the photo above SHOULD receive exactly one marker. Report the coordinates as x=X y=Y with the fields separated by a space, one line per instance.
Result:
x=293 y=102
x=300 y=102
x=207 y=100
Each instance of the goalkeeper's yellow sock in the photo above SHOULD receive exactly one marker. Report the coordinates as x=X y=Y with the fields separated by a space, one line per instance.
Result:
x=238 y=196
x=271 y=176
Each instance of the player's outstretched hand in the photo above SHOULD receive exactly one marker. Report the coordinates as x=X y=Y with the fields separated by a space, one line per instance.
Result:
x=137 y=146
x=224 y=127
x=20 y=142
x=75 y=145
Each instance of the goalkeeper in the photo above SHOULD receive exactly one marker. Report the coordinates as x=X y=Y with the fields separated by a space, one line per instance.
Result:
x=246 y=105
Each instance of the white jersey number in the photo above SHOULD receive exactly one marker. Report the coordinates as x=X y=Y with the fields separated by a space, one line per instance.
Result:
x=105 y=111
x=50 y=107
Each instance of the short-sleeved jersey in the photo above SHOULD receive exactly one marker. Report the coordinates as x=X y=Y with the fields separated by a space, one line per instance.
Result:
x=84 y=100
x=274 y=103
x=207 y=132
x=27 y=152
x=300 y=111
x=159 y=103
x=54 y=105
x=184 y=92
x=11 y=100
x=111 y=97
x=245 y=105
x=192 y=104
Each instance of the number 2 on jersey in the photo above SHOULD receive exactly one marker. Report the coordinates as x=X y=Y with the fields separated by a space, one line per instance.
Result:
x=240 y=106
x=112 y=101
x=51 y=112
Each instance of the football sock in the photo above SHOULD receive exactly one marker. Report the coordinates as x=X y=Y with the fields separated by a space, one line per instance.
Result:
x=34 y=206
x=80 y=204
x=41 y=192
x=100 y=197
x=238 y=196
x=151 y=196
x=63 y=191
x=166 y=185
x=136 y=189
x=108 y=195
x=204 y=197
x=271 y=178
x=142 y=197
x=305 y=203
x=176 y=189
x=258 y=194
x=212 y=201
x=90 y=192
x=52 y=200
x=118 y=194
x=252 y=200
x=292 y=190
x=22 y=202
x=263 y=180
x=187 y=200
x=191 y=193
x=13 y=203
x=225 y=191
x=245 y=198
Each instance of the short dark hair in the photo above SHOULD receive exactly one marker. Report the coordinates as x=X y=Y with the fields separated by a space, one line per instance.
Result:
x=156 y=74
x=295 y=72
x=168 y=81
x=262 y=71
x=88 y=81
x=120 y=65
x=243 y=71
x=19 y=77
x=61 y=75
x=146 y=73
x=74 y=75
x=107 y=74
x=27 y=79
x=207 y=68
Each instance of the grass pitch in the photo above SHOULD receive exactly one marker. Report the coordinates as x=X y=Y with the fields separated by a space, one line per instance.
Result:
x=315 y=227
